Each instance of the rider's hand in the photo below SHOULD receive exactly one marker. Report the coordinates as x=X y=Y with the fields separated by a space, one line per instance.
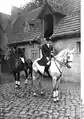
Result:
x=47 y=58
x=52 y=54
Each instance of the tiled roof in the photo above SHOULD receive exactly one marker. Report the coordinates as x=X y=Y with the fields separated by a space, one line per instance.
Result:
x=70 y=24
x=4 y=19
x=18 y=24
x=33 y=14
x=68 y=6
x=20 y=36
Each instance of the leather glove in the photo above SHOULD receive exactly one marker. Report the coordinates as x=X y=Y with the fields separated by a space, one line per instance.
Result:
x=47 y=58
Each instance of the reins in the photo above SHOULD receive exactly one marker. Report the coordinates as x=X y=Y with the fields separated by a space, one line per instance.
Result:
x=61 y=63
x=57 y=65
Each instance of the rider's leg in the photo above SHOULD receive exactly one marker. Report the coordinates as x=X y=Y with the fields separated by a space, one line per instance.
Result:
x=46 y=69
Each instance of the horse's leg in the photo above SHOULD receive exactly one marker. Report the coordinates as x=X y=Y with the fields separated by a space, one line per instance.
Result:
x=18 y=78
x=57 y=87
x=40 y=84
x=30 y=73
x=34 y=82
x=15 y=77
x=26 y=80
x=55 y=91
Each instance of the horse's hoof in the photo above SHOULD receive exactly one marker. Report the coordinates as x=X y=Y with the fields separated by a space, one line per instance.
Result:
x=16 y=86
x=25 y=84
x=55 y=100
x=34 y=94
x=19 y=87
x=42 y=93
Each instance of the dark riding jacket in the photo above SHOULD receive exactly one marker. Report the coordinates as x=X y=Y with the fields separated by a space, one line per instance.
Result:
x=46 y=52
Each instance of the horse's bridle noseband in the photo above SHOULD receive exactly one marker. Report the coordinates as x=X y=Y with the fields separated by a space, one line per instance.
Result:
x=62 y=63
x=67 y=61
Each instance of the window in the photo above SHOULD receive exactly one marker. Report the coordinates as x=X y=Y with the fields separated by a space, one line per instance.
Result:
x=34 y=55
x=26 y=27
x=78 y=47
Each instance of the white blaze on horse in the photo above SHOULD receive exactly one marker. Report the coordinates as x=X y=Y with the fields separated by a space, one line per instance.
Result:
x=63 y=59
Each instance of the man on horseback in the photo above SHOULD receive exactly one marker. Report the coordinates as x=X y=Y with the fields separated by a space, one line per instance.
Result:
x=47 y=54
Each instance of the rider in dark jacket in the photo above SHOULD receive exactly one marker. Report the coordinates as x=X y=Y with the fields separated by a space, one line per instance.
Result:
x=47 y=54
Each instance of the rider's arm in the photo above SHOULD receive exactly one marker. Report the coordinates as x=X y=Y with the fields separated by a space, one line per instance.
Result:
x=51 y=51
x=43 y=51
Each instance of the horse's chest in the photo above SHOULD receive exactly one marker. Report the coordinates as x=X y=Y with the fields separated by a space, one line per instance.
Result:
x=17 y=62
x=55 y=69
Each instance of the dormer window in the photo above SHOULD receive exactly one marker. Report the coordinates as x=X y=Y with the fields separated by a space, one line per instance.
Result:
x=26 y=26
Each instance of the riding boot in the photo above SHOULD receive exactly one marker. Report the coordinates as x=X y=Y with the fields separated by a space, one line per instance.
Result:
x=46 y=69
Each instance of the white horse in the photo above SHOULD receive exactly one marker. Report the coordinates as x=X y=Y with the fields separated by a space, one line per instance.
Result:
x=63 y=59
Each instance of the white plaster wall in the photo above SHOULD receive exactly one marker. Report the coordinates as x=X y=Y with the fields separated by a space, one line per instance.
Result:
x=29 y=48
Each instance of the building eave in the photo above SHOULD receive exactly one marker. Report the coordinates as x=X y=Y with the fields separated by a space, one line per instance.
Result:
x=66 y=36
x=24 y=42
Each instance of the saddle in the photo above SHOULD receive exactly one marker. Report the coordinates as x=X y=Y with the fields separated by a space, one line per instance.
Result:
x=44 y=62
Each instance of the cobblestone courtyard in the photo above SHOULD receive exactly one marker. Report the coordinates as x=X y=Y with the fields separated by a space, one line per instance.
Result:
x=20 y=104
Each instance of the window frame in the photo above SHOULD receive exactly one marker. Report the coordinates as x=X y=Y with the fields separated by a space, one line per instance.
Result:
x=78 y=43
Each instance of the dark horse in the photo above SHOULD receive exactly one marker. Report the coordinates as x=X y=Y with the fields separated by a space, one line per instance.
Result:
x=17 y=62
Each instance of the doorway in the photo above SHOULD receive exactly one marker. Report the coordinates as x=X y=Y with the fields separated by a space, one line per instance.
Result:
x=48 y=25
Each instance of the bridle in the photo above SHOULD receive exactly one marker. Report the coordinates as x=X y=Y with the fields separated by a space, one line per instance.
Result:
x=67 y=61
x=64 y=63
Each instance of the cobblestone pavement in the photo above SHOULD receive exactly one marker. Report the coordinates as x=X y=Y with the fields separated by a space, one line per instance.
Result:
x=20 y=104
